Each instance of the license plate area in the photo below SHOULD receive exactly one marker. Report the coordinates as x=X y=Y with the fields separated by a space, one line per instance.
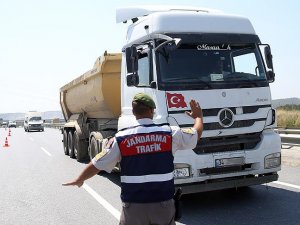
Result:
x=181 y=173
x=226 y=162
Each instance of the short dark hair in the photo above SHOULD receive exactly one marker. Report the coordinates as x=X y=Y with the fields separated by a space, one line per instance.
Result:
x=139 y=108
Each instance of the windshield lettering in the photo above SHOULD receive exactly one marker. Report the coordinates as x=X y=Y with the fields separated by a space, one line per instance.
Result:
x=213 y=47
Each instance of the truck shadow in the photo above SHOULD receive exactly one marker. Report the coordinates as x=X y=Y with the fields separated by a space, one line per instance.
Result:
x=114 y=177
x=256 y=205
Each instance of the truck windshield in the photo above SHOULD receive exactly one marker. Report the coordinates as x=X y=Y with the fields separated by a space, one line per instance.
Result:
x=211 y=66
x=35 y=118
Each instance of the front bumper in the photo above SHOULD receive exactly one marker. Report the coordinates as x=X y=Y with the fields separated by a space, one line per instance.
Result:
x=254 y=166
x=225 y=183
x=36 y=127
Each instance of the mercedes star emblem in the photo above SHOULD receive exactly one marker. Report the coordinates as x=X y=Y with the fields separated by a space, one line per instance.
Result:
x=225 y=117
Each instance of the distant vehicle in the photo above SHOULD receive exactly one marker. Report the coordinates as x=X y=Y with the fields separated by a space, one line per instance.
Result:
x=4 y=124
x=12 y=124
x=33 y=121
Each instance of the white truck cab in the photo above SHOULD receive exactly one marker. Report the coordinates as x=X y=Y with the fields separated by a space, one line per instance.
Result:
x=175 y=54
x=178 y=54
x=33 y=121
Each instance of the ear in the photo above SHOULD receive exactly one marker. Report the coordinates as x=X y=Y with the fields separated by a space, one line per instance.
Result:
x=152 y=110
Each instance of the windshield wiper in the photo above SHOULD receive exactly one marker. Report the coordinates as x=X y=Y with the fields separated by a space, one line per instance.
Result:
x=207 y=84
x=242 y=77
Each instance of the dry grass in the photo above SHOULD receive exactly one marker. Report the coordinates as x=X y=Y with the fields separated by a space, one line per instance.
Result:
x=288 y=118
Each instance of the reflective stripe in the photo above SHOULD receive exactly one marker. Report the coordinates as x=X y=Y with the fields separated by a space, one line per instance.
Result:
x=142 y=129
x=147 y=178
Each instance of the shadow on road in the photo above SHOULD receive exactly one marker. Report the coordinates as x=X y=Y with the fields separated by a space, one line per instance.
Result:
x=256 y=205
x=113 y=177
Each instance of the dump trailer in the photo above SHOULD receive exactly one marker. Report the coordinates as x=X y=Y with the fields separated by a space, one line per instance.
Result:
x=175 y=54
x=92 y=103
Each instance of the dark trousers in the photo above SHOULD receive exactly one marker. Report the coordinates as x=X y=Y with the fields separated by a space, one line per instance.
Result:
x=158 y=213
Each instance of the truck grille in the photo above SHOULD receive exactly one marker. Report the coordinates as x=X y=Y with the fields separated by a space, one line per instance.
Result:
x=229 y=169
x=227 y=143
x=236 y=124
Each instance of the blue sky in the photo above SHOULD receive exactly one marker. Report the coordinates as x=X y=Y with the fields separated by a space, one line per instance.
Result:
x=45 y=44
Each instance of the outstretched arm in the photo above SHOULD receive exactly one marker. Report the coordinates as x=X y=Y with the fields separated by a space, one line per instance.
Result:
x=196 y=113
x=89 y=171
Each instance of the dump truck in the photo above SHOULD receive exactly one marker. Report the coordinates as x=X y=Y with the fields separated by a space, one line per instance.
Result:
x=91 y=105
x=175 y=54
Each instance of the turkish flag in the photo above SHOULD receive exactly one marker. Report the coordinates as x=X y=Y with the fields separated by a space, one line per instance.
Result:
x=176 y=100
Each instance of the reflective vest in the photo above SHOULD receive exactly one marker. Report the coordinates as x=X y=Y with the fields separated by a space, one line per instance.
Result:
x=147 y=163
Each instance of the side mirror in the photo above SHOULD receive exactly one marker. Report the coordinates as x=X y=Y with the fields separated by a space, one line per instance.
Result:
x=131 y=59
x=271 y=76
x=265 y=51
x=269 y=57
x=153 y=85
x=132 y=79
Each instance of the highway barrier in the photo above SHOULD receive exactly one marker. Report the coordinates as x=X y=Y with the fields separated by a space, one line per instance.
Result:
x=288 y=131
x=54 y=125
x=289 y=135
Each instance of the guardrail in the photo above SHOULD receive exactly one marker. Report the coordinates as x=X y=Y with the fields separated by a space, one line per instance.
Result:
x=54 y=125
x=289 y=135
x=288 y=131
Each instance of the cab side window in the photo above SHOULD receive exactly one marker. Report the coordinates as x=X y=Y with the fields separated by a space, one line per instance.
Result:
x=144 y=70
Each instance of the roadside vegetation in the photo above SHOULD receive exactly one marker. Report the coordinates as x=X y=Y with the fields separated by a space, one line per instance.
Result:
x=288 y=116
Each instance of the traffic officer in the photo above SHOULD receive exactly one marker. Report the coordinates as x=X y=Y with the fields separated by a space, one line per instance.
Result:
x=145 y=152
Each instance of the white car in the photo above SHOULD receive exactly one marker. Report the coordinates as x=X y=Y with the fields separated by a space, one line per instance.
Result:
x=4 y=124
x=12 y=124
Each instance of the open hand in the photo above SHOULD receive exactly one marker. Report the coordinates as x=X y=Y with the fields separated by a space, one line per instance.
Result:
x=196 y=110
x=77 y=183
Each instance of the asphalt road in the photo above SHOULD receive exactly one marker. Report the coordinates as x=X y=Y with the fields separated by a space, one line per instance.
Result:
x=33 y=168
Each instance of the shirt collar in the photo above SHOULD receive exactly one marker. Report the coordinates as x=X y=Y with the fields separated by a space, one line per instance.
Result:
x=144 y=121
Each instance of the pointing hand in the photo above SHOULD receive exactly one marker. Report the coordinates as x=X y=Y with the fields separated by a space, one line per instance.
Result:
x=77 y=183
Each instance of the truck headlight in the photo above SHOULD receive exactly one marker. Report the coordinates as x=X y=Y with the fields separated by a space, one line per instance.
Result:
x=181 y=171
x=273 y=160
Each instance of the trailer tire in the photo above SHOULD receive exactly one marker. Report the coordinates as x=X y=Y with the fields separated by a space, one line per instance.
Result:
x=80 y=148
x=71 y=144
x=65 y=142
x=93 y=149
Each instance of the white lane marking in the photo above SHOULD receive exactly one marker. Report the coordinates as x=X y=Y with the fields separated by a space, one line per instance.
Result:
x=31 y=139
x=48 y=153
x=102 y=201
x=287 y=184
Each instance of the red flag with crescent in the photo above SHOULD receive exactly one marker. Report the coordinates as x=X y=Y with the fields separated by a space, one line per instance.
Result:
x=176 y=100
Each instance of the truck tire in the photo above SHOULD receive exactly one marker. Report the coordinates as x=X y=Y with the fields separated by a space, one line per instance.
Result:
x=71 y=144
x=93 y=149
x=65 y=142
x=80 y=148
